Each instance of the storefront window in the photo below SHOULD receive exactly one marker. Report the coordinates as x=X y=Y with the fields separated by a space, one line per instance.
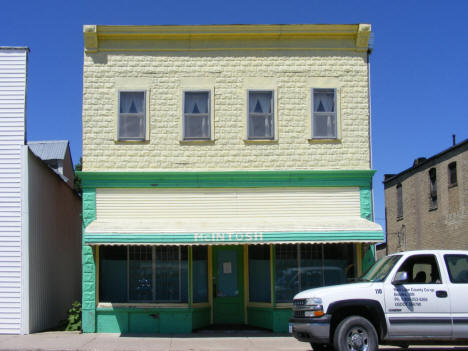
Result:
x=143 y=274
x=259 y=273
x=200 y=273
x=113 y=273
x=171 y=274
x=287 y=272
x=339 y=264
x=311 y=267
x=306 y=266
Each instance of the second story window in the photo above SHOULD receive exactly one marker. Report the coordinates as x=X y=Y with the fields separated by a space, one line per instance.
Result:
x=132 y=115
x=260 y=124
x=452 y=174
x=399 y=193
x=196 y=120
x=324 y=116
x=432 y=189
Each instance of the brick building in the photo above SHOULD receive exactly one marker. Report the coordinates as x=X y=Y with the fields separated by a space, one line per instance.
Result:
x=225 y=168
x=425 y=205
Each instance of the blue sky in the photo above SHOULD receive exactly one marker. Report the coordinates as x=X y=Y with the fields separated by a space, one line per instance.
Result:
x=419 y=67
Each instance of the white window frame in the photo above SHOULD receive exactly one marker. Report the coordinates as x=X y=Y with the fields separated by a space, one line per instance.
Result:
x=273 y=115
x=313 y=114
x=145 y=114
x=184 y=115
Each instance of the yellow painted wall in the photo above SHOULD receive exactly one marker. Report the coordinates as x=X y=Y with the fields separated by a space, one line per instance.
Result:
x=228 y=73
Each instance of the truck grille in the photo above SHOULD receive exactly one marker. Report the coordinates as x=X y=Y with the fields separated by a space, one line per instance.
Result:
x=299 y=302
x=299 y=314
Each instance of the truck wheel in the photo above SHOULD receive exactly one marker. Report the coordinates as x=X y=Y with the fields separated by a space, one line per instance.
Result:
x=355 y=333
x=321 y=347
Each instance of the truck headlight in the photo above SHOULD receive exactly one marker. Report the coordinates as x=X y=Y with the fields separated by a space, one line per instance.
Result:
x=313 y=301
x=314 y=307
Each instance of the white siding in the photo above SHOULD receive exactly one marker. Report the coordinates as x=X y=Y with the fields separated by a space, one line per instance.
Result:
x=12 y=134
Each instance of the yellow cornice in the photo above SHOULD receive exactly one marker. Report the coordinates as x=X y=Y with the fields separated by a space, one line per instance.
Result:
x=218 y=37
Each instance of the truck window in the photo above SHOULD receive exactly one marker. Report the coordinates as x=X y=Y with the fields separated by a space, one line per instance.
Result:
x=421 y=269
x=380 y=269
x=457 y=266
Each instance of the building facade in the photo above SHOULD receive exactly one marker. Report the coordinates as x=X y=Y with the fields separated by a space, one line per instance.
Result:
x=225 y=168
x=39 y=217
x=425 y=205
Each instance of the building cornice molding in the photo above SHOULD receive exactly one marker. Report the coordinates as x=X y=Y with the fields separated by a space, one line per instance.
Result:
x=216 y=179
x=214 y=37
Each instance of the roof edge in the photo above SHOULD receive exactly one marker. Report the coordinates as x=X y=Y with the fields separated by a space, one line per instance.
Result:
x=93 y=34
x=392 y=177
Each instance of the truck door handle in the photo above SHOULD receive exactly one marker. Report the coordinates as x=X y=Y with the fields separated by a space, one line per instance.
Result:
x=441 y=293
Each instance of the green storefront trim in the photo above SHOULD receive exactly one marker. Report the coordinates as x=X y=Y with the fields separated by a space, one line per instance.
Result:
x=241 y=179
x=151 y=320
x=184 y=320
x=225 y=238
x=275 y=319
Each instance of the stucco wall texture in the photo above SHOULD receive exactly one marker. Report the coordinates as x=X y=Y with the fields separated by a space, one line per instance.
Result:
x=291 y=73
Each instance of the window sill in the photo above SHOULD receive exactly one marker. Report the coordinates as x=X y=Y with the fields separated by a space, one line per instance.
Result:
x=399 y=219
x=261 y=141
x=110 y=305
x=432 y=209
x=324 y=141
x=124 y=142
x=454 y=185
x=260 y=304
x=284 y=305
x=197 y=142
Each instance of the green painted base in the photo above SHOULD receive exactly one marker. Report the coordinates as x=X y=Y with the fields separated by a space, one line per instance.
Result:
x=173 y=320
x=269 y=318
x=281 y=320
x=149 y=320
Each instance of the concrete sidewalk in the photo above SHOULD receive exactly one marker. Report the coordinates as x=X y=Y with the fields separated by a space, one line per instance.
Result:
x=72 y=341
x=66 y=341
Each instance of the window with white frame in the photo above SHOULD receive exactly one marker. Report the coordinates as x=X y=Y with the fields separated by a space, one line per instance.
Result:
x=324 y=115
x=260 y=124
x=196 y=119
x=132 y=115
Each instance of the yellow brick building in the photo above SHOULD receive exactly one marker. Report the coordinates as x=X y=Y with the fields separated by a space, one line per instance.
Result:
x=225 y=168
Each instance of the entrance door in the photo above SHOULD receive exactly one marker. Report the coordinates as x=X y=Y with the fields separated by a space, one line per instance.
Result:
x=228 y=287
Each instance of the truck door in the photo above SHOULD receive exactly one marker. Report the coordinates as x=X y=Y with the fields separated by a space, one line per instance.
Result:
x=420 y=306
x=457 y=268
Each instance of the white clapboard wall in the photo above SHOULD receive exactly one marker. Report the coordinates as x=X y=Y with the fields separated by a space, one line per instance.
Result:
x=12 y=136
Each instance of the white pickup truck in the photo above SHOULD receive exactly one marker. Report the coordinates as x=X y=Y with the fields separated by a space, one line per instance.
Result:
x=408 y=298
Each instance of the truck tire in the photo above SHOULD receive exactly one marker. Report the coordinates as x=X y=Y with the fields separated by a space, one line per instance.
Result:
x=355 y=333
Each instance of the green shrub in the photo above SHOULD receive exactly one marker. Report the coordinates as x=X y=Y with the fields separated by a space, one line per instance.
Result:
x=74 y=317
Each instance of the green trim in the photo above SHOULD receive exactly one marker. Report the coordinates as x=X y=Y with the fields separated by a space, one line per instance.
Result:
x=260 y=317
x=299 y=178
x=89 y=206
x=365 y=193
x=226 y=238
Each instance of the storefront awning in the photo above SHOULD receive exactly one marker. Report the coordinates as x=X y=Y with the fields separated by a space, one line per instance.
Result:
x=220 y=231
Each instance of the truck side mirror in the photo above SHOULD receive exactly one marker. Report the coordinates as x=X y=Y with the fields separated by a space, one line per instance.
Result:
x=400 y=278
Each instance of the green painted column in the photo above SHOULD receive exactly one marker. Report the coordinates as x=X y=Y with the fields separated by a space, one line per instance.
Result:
x=367 y=212
x=88 y=266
